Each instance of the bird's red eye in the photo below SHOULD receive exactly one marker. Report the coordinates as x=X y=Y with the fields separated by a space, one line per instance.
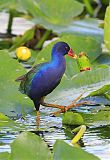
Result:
x=67 y=48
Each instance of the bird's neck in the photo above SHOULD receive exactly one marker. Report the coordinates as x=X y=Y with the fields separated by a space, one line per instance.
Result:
x=59 y=64
x=58 y=60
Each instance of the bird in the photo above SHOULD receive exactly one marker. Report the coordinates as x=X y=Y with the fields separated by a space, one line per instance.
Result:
x=43 y=78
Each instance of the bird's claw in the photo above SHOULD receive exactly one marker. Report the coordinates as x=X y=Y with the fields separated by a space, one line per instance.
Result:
x=58 y=112
x=72 y=105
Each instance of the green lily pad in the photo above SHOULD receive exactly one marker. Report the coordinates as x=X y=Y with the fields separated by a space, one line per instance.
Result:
x=47 y=12
x=71 y=118
x=98 y=118
x=84 y=27
x=11 y=100
x=3 y=117
x=8 y=4
x=4 y=156
x=100 y=91
x=102 y=59
x=29 y=146
x=61 y=8
x=107 y=28
x=63 y=151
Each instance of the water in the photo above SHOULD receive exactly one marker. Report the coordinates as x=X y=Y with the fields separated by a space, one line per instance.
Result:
x=95 y=140
x=20 y=25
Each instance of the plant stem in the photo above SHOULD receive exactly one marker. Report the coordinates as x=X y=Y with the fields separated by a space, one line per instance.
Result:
x=81 y=130
x=89 y=7
x=10 y=21
x=44 y=37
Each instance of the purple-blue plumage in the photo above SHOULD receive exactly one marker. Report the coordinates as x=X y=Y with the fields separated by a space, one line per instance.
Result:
x=44 y=78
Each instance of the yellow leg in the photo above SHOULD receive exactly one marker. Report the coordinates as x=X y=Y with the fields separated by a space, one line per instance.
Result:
x=52 y=105
x=37 y=118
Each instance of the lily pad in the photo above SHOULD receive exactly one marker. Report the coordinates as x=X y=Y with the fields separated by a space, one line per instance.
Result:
x=47 y=12
x=98 y=117
x=84 y=27
x=8 y=4
x=71 y=118
x=100 y=91
x=4 y=156
x=11 y=100
x=63 y=151
x=107 y=28
x=3 y=117
x=29 y=146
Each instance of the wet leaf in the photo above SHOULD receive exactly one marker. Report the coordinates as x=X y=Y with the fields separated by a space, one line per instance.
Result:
x=100 y=91
x=4 y=4
x=29 y=146
x=3 y=117
x=84 y=27
x=63 y=151
x=71 y=118
x=98 y=117
x=107 y=28
x=4 y=156
x=103 y=59
x=12 y=102
x=43 y=13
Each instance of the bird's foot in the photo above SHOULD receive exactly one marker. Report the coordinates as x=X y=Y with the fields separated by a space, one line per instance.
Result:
x=58 y=112
x=72 y=105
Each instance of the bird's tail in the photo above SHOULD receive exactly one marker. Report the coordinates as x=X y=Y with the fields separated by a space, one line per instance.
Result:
x=21 y=78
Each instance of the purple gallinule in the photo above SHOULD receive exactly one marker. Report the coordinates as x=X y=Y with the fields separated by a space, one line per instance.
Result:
x=43 y=78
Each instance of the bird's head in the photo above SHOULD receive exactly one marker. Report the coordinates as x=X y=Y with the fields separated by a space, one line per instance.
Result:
x=62 y=48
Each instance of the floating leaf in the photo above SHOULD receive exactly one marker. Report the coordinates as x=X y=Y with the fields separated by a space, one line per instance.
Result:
x=102 y=59
x=29 y=146
x=107 y=28
x=3 y=117
x=43 y=13
x=63 y=151
x=100 y=91
x=84 y=27
x=71 y=118
x=11 y=100
x=98 y=118
x=4 y=156
x=97 y=78
x=62 y=8
x=4 y=4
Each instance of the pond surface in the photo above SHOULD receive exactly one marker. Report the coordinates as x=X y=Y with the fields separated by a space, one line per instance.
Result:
x=96 y=139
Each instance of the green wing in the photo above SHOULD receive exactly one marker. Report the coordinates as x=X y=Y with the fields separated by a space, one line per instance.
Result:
x=27 y=79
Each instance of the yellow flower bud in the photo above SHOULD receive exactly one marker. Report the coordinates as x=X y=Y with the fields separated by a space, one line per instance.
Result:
x=23 y=53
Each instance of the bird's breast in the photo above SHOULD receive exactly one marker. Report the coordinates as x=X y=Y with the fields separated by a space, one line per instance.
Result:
x=47 y=79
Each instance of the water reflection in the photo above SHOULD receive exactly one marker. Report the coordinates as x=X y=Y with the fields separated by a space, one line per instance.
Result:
x=96 y=139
